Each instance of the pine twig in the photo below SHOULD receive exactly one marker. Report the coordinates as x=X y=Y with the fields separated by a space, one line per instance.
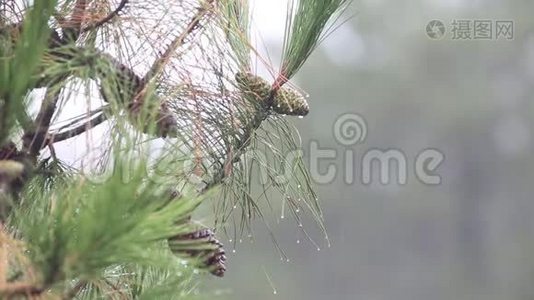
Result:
x=73 y=26
x=161 y=61
x=62 y=136
x=34 y=138
x=234 y=156
x=107 y=18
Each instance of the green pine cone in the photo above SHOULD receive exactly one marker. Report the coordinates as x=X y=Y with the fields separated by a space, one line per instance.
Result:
x=286 y=102
x=253 y=86
x=290 y=102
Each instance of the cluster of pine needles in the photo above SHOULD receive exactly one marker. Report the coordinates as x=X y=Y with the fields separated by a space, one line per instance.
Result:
x=173 y=75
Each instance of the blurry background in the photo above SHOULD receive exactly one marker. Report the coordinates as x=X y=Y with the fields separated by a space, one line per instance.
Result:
x=472 y=237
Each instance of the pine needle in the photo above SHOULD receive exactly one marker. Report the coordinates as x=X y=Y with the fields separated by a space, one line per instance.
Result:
x=307 y=21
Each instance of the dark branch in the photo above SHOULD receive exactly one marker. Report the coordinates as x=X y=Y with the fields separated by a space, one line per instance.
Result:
x=33 y=139
x=62 y=136
x=108 y=18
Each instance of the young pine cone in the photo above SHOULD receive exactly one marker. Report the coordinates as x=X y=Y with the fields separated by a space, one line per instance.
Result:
x=287 y=101
x=253 y=87
x=203 y=245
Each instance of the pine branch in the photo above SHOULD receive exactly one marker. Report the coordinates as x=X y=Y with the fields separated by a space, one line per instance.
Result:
x=162 y=61
x=65 y=243
x=234 y=156
x=34 y=137
x=65 y=135
x=134 y=90
x=107 y=18
x=112 y=70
